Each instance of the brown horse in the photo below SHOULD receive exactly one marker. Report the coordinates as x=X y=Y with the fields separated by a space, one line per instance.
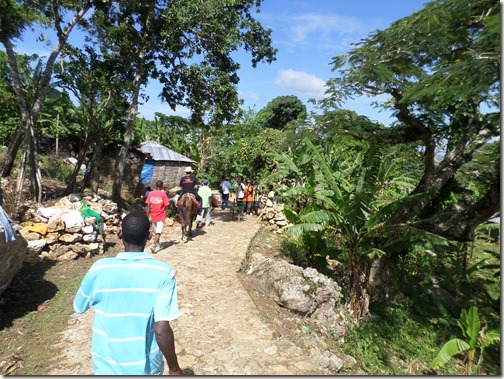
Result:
x=187 y=209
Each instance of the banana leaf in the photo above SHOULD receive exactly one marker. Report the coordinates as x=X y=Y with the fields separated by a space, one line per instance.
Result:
x=449 y=350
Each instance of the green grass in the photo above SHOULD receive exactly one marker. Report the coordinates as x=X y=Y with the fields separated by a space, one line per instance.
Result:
x=38 y=312
x=47 y=324
x=406 y=332
x=408 y=329
x=393 y=344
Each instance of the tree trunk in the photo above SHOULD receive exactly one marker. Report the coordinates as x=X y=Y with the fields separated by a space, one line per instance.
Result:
x=35 y=174
x=357 y=296
x=12 y=150
x=80 y=159
x=203 y=150
x=92 y=178
x=460 y=224
x=57 y=134
x=30 y=113
x=121 y=161
x=21 y=176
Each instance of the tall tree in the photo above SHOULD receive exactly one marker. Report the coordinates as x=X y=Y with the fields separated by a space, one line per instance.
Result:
x=15 y=17
x=280 y=111
x=244 y=148
x=100 y=84
x=440 y=68
x=187 y=45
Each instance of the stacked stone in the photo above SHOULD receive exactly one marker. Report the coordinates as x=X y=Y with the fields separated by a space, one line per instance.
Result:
x=274 y=218
x=68 y=235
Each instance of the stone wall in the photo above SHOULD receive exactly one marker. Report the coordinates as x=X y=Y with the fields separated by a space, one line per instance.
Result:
x=62 y=232
x=274 y=219
x=169 y=172
x=132 y=170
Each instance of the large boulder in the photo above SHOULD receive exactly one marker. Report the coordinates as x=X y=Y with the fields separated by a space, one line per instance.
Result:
x=304 y=291
x=12 y=253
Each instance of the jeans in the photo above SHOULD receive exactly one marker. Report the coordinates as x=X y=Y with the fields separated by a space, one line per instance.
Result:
x=225 y=200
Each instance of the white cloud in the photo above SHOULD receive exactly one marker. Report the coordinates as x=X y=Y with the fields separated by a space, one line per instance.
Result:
x=323 y=26
x=301 y=82
x=250 y=95
x=327 y=32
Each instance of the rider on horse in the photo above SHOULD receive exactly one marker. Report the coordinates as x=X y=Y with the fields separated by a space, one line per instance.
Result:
x=188 y=183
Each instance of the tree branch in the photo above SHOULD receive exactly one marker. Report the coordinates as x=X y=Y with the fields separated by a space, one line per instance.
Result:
x=460 y=225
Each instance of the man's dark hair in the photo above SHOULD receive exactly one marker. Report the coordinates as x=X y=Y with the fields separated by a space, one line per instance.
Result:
x=135 y=228
x=159 y=184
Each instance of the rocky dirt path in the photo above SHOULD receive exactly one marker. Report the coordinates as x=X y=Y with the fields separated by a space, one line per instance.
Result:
x=220 y=331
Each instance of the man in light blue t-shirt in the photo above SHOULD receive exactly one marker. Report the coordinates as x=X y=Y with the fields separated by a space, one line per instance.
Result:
x=135 y=298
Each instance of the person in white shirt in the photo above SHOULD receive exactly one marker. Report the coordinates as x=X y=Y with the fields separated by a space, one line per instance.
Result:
x=225 y=189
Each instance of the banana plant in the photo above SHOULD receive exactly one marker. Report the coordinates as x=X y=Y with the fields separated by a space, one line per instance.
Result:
x=477 y=338
x=341 y=199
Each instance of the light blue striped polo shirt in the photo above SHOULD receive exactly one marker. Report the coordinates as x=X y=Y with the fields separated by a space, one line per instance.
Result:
x=129 y=293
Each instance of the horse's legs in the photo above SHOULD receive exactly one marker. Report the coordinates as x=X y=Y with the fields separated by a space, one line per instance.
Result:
x=194 y=215
x=184 y=220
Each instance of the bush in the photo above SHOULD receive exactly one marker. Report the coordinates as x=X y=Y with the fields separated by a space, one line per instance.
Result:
x=55 y=167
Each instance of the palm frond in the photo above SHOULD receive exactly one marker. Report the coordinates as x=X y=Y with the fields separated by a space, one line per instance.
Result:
x=375 y=253
x=296 y=191
x=470 y=325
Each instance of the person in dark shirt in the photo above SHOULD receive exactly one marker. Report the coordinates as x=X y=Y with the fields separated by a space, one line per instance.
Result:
x=188 y=183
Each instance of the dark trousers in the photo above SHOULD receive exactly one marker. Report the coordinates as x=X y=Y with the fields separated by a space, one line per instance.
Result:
x=225 y=200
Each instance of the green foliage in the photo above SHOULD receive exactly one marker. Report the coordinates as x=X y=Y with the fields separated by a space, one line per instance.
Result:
x=343 y=195
x=53 y=167
x=9 y=111
x=175 y=132
x=393 y=343
x=476 y=340
x=308 y=251
x=100 y=83
x=195 y=41
x=435 y=69
x=57 y=120
x=280 y=111
x=424 y=69
x=340 y=208
x=245 y=149
x=476 y=175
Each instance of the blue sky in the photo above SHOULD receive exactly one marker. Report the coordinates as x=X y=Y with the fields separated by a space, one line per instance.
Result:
x=307 y=34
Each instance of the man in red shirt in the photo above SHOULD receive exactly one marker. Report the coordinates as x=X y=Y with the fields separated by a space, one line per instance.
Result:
x=157 y=201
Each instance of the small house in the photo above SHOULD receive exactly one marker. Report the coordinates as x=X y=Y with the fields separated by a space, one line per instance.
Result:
x=132 y=169
x=162 y=164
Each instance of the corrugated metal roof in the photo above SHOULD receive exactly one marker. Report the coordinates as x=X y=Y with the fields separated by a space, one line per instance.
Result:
x=159 y=152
